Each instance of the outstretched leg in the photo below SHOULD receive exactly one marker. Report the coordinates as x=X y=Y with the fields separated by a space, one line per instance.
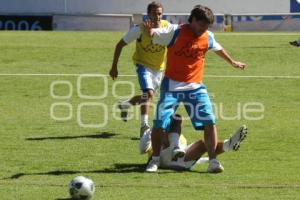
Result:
x=197 y=149
x=125 y=105
x=144 y=101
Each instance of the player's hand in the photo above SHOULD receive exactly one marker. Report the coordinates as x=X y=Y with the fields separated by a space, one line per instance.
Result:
x=148 y=28
x=113 y=73
x=238 y=65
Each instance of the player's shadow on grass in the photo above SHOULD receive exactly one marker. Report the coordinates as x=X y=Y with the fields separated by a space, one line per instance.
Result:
x=117 y=168
x=135 y=138
x=99 y=135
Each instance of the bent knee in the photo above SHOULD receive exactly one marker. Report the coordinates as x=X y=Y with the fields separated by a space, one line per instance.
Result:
x=148 y=95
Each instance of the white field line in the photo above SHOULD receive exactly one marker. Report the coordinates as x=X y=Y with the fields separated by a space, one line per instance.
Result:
x=133 y=75
x=257 y=34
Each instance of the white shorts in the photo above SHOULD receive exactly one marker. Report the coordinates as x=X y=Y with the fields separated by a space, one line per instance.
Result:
x=148 y=78
x=167 y=162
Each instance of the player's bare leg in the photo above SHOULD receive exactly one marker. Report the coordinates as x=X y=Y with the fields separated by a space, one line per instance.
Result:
x=146 y=99
x=136 y=100
x=125 y=105
x=211 y=140
x=173 y=137
x=197 y=149
x=156 y=141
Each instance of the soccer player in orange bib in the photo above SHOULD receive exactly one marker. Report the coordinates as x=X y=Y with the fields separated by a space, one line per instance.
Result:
x=187 y=45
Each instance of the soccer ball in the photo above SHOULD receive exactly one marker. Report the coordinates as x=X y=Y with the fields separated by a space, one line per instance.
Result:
x=81 y=188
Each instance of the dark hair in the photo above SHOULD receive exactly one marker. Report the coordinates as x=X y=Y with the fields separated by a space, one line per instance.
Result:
x=202 y=13
x=154 y=5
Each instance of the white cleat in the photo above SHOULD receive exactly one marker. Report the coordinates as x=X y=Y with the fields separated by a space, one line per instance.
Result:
x=152 y=166
x=235 y=140
x=215 y=166
x=145 y=142
x=144 y=129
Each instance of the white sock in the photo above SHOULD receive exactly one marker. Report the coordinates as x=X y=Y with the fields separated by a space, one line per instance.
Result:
x=174 y=139
x=226 y=145
x=144 y=120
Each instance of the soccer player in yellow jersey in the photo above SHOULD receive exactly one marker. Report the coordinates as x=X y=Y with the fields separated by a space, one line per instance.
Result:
x=149 y=59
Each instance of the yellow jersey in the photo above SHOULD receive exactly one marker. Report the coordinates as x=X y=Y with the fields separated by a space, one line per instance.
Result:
x=148 y=54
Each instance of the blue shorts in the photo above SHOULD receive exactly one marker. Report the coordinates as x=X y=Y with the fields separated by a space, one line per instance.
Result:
x=196 y=102
x=149 y=79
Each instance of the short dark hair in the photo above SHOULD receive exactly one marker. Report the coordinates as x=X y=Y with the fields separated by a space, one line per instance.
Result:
x=154 y=5
x=202 y=13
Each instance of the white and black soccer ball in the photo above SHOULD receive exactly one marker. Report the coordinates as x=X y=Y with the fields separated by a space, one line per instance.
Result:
x=81 y=188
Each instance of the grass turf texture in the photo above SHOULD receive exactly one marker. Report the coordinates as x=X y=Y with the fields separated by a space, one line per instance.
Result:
x=39 y=156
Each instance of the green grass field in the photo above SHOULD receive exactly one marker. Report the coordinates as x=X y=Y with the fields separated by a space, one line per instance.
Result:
x=39 y=155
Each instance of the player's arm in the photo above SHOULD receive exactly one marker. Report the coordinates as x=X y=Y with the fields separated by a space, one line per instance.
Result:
x=162 y=36
x=223 y=54
x=220 y=51
x=114 y=68
x=132 y=35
